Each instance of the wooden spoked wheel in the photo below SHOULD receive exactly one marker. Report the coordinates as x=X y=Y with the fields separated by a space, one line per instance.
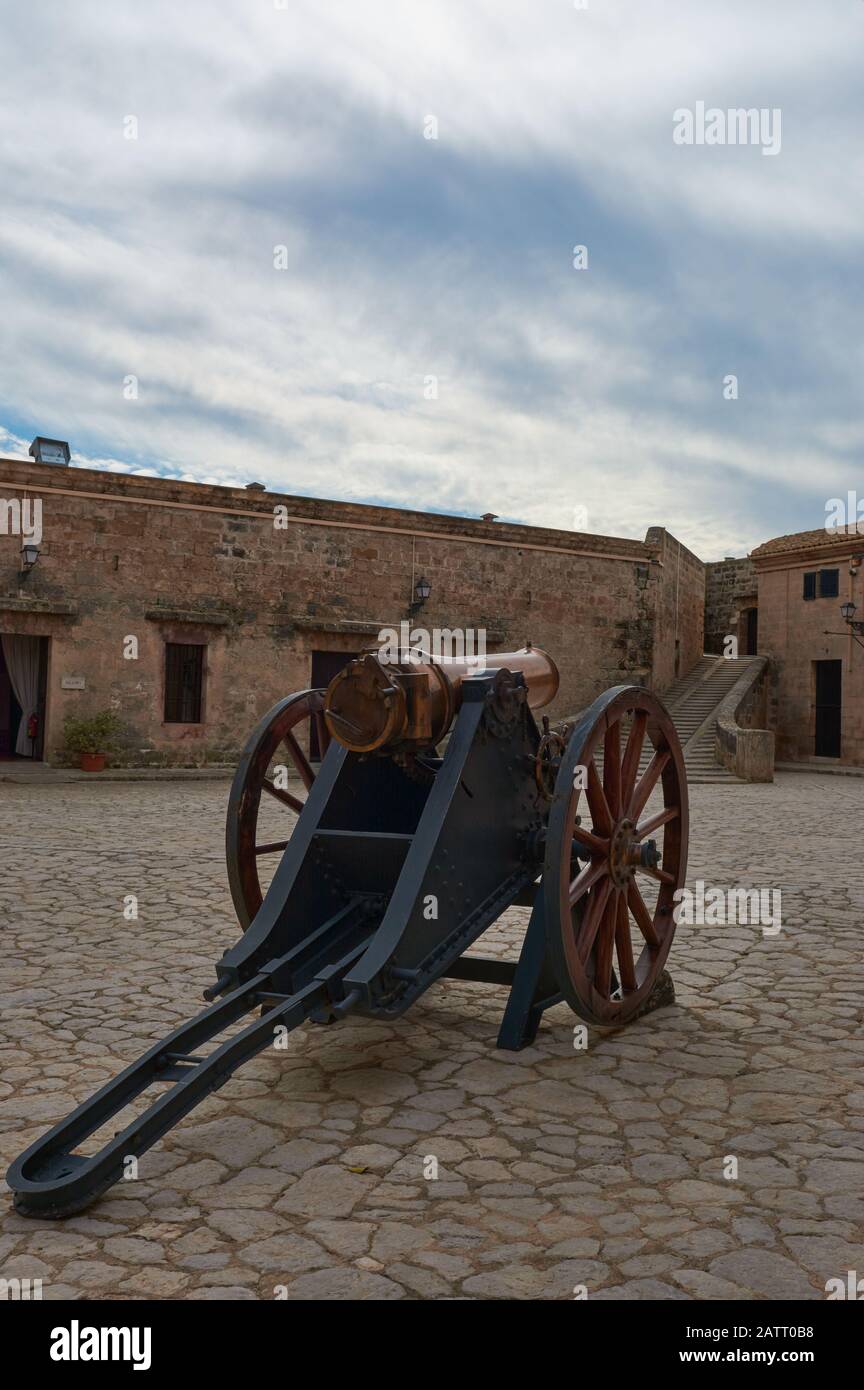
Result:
x=283 y=738
x=609 y=912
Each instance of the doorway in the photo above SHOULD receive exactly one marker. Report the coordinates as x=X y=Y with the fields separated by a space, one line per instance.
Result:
x=829 y=677
x=325 y=665
x=751 y=631
x=23 y=680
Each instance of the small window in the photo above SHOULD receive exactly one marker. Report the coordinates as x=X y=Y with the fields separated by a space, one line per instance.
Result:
x=810 y=585
x=184 y=681
x=829 y=583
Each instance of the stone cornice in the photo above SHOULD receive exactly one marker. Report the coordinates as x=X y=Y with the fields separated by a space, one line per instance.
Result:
x=58 y=608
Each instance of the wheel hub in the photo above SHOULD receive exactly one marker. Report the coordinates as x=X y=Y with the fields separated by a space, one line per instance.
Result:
x=621 y=851
x=627 y=853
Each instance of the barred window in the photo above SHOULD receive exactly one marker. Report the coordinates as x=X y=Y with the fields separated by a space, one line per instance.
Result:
x=810 y=585
x=184 y=682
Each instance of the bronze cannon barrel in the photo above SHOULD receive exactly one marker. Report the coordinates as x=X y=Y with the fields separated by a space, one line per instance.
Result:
x=375 y=703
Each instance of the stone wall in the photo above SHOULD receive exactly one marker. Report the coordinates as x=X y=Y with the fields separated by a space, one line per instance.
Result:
x=159 y=560
x=743 y=744
x=730 y=587
x=678 y=608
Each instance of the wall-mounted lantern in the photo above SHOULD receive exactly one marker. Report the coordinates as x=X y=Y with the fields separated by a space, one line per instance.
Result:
x=422 y=590
x=855 y=625
x=847 y=612
x=29 y=556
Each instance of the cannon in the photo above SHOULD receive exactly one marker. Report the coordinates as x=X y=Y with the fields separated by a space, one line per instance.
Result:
x=427 y=800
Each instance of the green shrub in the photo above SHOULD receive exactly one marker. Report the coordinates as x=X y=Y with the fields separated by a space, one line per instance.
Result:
x=96 y=734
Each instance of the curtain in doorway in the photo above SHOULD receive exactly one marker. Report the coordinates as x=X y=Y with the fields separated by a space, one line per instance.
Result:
x=22 y=663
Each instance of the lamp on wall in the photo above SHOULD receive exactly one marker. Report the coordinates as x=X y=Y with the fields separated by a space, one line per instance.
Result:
x=847 y=612
x=855 y=625
x=29 y=556
x=422 y=590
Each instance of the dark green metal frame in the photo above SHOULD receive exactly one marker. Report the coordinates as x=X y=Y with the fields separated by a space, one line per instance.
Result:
x=385 y=883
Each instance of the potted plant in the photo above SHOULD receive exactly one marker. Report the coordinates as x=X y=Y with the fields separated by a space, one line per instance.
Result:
x=91 y=738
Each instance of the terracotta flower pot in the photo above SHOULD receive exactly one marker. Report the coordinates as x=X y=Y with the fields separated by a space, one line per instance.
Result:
x=91 y=762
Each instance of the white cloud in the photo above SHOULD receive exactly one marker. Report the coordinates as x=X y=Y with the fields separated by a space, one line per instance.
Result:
x=261 y=127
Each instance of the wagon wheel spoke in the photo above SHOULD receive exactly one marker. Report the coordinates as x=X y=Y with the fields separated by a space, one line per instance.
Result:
x=624 y=946
x=285 y=797
x=612 y=769
x=300 y=761
x=642 y=916
x=586 y=879
x=648 y=782
x=597 y=803
x=604 y=947
x=592 y=918
x=645 y=827
x=595 y=843
x=632 y=754
x=274 y=848
x=322 y=732
x=659 y=874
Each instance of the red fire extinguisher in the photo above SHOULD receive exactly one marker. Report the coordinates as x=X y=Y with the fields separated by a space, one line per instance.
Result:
x=33 y=726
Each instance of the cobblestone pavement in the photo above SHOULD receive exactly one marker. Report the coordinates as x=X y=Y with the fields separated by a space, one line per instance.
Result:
x=557 y=1167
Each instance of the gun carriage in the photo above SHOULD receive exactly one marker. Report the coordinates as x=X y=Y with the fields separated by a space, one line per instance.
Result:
x=436 y=804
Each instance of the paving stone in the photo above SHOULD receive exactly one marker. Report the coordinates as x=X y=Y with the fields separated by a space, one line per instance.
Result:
x=286 y=1253
x=134 y=1250
x=765 y=1273
x=752 y=1230
x=326 y=1191
x=373 y=1086
x=693 y=1193
x=641 y=1289
x=155 y=1283
x=233 y=1140
x=354 y=1285
x=654 y=1167
x=833 y=1176
x=701 y=1284
x=346 y=1238
x=235 y=1295
x=512 y=1281
x=298 y=1155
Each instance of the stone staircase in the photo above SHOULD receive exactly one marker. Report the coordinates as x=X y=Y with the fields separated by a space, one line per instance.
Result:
x=693 y=704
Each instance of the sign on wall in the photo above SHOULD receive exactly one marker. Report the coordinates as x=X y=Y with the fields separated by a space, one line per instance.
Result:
x=73 y=683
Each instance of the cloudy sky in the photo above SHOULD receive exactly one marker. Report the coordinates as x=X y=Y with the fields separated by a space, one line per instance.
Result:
x=303 y=126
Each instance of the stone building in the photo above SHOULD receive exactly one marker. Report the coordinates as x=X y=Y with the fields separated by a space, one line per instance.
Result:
x=817 y=660
x=190 y=609
x=731 y=606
